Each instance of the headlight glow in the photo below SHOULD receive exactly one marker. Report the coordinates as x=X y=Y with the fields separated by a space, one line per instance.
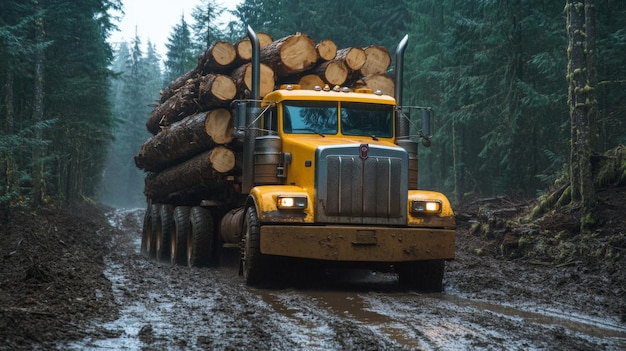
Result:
x=291 y=202
x=426 y=207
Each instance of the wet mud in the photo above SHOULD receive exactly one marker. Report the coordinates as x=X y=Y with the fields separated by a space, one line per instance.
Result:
x=486 y=305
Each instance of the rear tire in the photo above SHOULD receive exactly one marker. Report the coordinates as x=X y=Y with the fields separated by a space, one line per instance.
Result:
x=146 y=231
x=423 y=276
x=155 y=228
x=253 y=262
x=163 y=238
x=200 y=243
x=178 y=239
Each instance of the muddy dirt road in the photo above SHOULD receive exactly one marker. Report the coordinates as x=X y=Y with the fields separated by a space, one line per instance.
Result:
x=486 y=305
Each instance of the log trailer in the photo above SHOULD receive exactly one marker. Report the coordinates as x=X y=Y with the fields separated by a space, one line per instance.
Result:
x=327 y=175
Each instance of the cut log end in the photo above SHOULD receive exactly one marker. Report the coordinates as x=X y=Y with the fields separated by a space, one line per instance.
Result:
x=222 y=159
x=224 y=53
x=219 y=126
x=326 y=49
x=223 y=88
x=377 y=60
x=310 y=81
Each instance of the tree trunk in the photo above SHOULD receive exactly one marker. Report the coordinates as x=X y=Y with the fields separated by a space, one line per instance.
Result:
x=580 y=97
x=185 y=139
x=211 y=167
x=38 y=91
x=377 y=60
x=290 y=55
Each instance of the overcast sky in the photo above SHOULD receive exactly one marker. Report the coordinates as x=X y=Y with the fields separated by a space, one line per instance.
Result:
x=154 y=19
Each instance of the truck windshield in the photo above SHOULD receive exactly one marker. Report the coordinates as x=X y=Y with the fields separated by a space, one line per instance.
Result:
x=310 y=117
x=373 y=120
x=320 y=117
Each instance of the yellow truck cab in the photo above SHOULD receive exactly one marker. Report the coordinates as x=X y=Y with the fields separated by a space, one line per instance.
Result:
x=334 y=182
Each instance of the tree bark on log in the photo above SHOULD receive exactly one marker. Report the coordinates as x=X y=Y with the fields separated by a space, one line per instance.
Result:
x=178 y=83
x=290 y=55
x=243 y=81
x=209 y=167
x=185 y=139
x=175 y=108
x=212 y=90
x=377 y=60
x=354 y=58
x=326 y=50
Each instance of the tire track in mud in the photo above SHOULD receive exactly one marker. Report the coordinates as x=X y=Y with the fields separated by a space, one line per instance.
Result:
x=172 y=307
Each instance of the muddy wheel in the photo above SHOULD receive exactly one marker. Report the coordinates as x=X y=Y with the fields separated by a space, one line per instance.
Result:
x=424 y=276
x=200 y=243
x=254 y=263
x=146 y=231
x=178 y=237
x=155 y=227
x=163 y=234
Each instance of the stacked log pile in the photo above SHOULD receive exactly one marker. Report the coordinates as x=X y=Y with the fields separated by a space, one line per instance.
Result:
x=192 y=149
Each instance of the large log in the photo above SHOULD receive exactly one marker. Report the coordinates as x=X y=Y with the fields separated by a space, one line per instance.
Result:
x=290 y=55
x=310 y=81
x=185 y=139
x=218 y=58
x=201 y=94
x=333 y=72
x=244 y=48
x=243 y=80
x=354 y=58
x=178 y=83
x=377 y=60
x=175 y=108
x=377 y=82
x=210 y=167
x=326 y=49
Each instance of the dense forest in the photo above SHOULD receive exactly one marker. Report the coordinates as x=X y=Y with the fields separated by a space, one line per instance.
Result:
x=525 y=91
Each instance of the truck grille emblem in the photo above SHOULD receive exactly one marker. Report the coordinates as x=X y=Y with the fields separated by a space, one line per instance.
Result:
x=364 y=151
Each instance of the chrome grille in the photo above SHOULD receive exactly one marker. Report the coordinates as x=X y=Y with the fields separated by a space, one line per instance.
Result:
x=356 y=190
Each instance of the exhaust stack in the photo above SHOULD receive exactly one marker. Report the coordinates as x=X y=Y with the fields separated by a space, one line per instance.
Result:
x=402 y=123
x=252 y=123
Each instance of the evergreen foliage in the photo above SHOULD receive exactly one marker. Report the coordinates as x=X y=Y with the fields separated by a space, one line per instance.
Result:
x=494 y=72
x=180 y=56
x=53 y=141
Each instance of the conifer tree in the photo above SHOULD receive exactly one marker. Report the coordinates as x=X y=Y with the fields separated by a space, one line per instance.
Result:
x=180 y=51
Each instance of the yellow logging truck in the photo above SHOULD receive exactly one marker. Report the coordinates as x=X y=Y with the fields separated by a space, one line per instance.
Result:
x=328 y=175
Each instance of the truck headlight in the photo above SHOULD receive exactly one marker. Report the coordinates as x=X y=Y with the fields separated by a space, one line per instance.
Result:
x=426 y=207
x=291 y=202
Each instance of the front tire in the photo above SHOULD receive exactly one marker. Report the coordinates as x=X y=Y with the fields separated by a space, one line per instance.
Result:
x=253 y=262
x=200 y=243
x=423 y=276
